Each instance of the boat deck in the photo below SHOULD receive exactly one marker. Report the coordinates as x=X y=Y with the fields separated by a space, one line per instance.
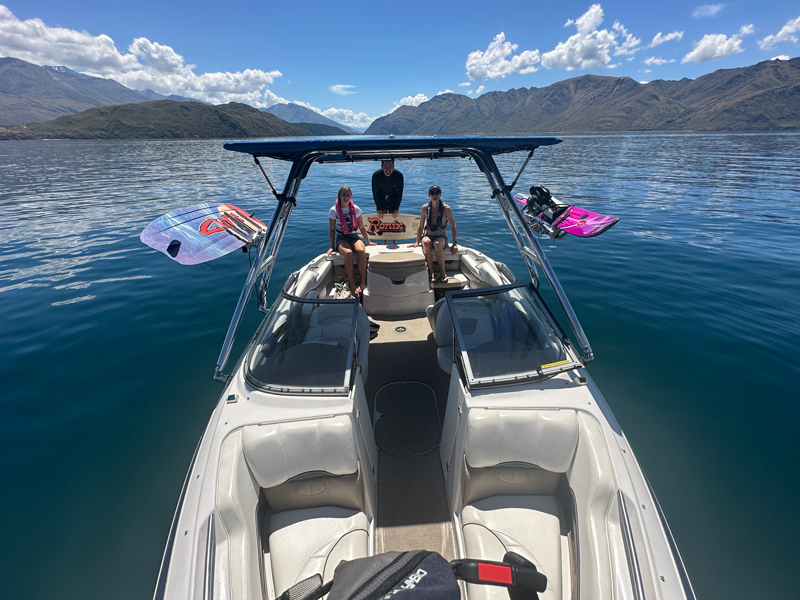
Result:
x=412 y=506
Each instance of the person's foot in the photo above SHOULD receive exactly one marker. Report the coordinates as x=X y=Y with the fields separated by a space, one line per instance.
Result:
x=441 y=277
x=357 y=291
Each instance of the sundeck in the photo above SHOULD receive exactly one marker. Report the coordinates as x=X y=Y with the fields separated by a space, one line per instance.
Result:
x=469 y=426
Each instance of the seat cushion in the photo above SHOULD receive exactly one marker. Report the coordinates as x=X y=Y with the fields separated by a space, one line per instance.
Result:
x=314 y=540
x=527 y=525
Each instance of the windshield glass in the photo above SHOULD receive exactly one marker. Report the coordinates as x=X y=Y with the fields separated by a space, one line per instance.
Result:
x=305 y=345
x=506 y=335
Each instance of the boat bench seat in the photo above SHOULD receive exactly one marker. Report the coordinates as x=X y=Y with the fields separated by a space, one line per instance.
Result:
x=308 y=473
x=331 y=324
x=514 y=462
x=477 y=327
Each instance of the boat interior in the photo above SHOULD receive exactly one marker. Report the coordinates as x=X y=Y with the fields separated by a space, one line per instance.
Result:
x=421 y=460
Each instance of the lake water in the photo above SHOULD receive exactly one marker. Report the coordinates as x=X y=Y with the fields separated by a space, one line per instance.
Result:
x=691 y=304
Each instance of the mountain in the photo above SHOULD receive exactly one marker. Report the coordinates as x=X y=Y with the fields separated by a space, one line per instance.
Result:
x=320 y=129
x=162 y=119
x=765 y=96
x=34 y=94
x=294 y=113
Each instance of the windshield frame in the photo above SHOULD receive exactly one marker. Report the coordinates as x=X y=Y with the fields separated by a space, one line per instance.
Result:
x=348 y=378
x=461 y=358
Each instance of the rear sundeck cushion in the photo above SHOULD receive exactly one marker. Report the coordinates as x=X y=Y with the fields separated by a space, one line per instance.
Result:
x=277 y=452
x=527 y=525
x=314 y=540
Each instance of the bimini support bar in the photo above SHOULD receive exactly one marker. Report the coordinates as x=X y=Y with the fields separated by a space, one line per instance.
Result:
x=265 y=260
x=532 y=248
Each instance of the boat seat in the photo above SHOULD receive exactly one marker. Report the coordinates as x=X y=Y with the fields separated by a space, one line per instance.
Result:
x=513 y=462
x=309 y=475
x=477 y=327
x=331 y=324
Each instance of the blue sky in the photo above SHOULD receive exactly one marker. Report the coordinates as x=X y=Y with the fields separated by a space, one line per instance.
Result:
x=355 y=62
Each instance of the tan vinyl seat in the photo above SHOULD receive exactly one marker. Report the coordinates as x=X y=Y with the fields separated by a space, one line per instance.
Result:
x=476 y=324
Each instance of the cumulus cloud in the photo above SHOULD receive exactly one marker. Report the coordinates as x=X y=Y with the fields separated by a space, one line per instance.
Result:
x=146 y=64
x=660 y=39
x=495 y=61
x=341 y=89
x=591 y=47
x=707 y=10
x=447 y=91
x=348 y=117
x=629 y=43
x=717 y=45
x=786 y=34
x=781 y=57
x=657 y=61
x=411 y=101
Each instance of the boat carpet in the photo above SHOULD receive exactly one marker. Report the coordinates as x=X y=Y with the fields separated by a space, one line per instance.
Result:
x=412 y=506
x=406 y=419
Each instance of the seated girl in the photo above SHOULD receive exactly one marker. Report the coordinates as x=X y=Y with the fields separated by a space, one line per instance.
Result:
x=345 y=222
x=433 y=220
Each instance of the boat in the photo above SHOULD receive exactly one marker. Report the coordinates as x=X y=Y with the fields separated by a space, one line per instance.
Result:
x=468 y=426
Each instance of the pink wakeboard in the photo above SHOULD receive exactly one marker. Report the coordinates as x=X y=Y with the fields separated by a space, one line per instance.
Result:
x=574 y=220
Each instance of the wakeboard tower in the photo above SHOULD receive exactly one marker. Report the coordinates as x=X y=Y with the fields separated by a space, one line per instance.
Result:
x=557 y=219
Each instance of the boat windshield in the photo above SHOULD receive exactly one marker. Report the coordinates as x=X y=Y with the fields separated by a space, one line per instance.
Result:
x=305 y=345
x=503 y=335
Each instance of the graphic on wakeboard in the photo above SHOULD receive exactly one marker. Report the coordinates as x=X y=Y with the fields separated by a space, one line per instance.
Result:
x=558 y=218
x=202 y=232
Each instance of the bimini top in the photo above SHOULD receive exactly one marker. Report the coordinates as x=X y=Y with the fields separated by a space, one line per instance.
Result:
x=371 y=147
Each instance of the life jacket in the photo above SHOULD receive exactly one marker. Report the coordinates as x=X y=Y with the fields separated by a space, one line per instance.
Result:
x=349 y=222
x=441 y=223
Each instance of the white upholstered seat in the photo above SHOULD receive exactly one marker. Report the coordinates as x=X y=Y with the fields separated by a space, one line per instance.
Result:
x=513 y=461
x=309 y=474
x=332 y=323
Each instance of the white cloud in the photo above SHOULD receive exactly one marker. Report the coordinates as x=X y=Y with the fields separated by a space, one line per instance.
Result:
x=495 y=61
x=629 y=44
x=660 y=39
x=717 y=45
x=588 y=48
x=348 y=117
x=784 y=35
x=707 y=10
x=146 y=64
x=781 y=57
x=479 y=91
x=410 y=101
x=447 y=91
x=657 y=61
x=341 y=89
x=465 y=84
x=647 y=71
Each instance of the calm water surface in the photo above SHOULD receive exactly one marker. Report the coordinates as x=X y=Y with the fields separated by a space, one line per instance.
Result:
x=108 y=348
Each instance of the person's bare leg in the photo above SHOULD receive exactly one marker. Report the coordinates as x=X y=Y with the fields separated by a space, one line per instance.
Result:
x=439 y=247
x=426 y=250
x=347 y=254
x=361 y=257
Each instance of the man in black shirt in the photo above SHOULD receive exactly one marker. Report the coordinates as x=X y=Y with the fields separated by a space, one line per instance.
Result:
x=387 y=189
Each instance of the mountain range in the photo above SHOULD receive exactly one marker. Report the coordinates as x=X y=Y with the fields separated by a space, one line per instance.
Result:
x=294 y=113
x=162 y=119
x=34 y=94
x=765 y=96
